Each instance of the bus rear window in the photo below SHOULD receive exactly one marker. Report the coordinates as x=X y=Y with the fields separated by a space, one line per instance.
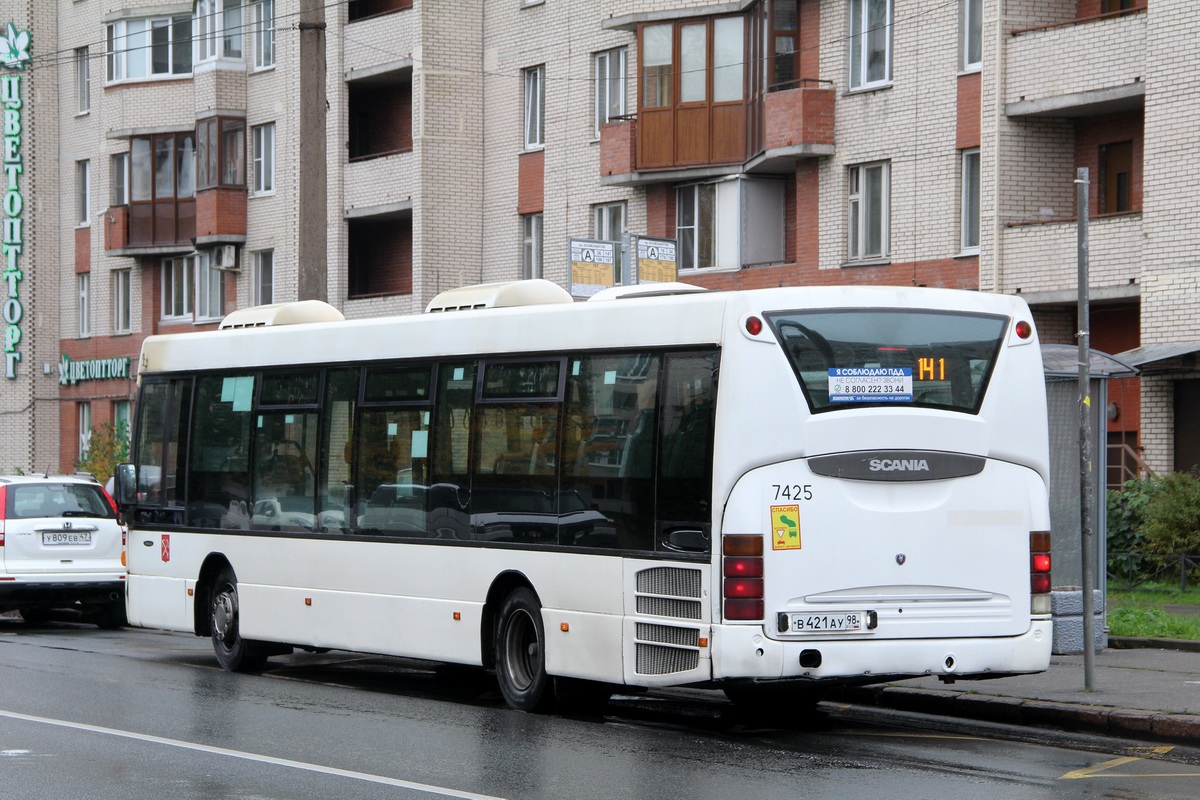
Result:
x=848 y=358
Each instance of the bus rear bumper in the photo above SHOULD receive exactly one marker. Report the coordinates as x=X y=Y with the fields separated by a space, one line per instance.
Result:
x=744 y=652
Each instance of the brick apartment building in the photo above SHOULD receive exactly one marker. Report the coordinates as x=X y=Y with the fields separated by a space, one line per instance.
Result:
x=178 y=159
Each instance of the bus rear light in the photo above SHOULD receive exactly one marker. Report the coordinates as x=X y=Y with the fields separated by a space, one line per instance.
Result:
x=743 y=571
x=754 y=325
x=744 y=587
x=743 y=567
x=744 y=608
x=1024 y=330
x=1039 y=572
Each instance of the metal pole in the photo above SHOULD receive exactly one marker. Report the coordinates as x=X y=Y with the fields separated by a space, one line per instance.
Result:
x=1086 y=476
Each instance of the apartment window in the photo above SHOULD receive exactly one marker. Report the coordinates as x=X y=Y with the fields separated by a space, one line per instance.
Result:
x=218 y=29
x=868 y=196
x=264 y=277
x=870 y=43
x=531 y=245
x=145 y=48
x=730 y=223
x=123 y=418
x=177 y=288
x=83 y=192
x=210 y=287
x=85 y=305
x=264 y=157
x=970 y=200
x=264 y=34
x=83 y=80
x=220 y=152
x=535 y=98
x=609 y=221
x=1107 y=6
x=362 y=9
x=84 y=416
x=119 y=179
x=971 y=33
x=785 y=41
x=1116 y=170
x=122 y=301
x=610 y=86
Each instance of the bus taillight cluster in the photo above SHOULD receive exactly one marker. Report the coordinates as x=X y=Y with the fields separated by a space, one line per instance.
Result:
x=1039 y=572
x=743 y=573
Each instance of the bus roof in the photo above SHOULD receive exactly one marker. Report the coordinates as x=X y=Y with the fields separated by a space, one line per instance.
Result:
x=693 y=318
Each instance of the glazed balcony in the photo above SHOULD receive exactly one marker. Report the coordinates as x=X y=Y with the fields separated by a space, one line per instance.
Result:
x=1081 y=67
x=798 y=123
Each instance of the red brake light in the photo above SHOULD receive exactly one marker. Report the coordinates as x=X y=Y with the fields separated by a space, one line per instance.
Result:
x=3 y=492
x=743 y=567
x=744 y=608
x=743 y=570
x=1040 y=562
x=754 y=325
x=744 y=587
x=1024 y=330
x=1039 y=583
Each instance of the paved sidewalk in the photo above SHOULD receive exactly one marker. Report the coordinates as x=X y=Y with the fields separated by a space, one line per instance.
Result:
x=1139 y=693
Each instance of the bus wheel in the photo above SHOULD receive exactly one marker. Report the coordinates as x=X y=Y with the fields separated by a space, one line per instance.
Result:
x=233 y=652
x=520 y=653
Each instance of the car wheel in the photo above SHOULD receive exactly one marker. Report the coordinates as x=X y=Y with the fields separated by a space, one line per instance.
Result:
x=520 y=653
x=35 y=616
x=233 y=652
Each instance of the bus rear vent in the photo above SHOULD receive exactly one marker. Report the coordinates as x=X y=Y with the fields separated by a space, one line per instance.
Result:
x=269 y=316
x=533 y=292
x=669 y=592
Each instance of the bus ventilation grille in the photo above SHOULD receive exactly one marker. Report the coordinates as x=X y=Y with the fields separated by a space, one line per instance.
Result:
x=663 y=649
x=669 y=592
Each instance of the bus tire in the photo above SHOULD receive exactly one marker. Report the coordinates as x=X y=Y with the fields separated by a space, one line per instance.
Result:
x=521 y=653
x=234 y=653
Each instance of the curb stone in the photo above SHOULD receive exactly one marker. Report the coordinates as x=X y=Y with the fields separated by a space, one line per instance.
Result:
x=1183 y=729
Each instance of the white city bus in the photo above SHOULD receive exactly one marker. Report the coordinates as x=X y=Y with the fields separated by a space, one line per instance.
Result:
x=779 y=489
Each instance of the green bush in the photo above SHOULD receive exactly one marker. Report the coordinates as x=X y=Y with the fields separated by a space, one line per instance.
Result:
x=107 y=447
x=1171 y=517
x=1126 y=511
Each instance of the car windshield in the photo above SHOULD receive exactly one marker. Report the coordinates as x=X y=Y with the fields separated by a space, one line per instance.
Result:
x=34 y=500
x=851 y=358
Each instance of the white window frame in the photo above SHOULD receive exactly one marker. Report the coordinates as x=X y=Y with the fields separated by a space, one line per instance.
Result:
x=263 y=156
x=84 y=282
x=610 y=85
x=83 y=80
x=210 y=287
x=531 y=245
x=858 y=224
x=84 y=420
x=970 y=35
x=970 y=203
x=83 y=193
x=122 y=301
x=264 y=34
x=177 y=305
x=129 y=51
x=217 y=30
x=535 y=107
x=119 y=179
x=860 y=39
x=264 y=277
x=603 y=215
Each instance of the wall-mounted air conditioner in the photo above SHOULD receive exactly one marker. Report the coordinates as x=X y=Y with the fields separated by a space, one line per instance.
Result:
x=225 y=257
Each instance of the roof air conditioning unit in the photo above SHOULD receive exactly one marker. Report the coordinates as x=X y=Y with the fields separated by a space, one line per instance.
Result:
x=225 y=257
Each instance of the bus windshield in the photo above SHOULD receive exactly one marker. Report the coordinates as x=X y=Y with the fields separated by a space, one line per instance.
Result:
x=871 y=357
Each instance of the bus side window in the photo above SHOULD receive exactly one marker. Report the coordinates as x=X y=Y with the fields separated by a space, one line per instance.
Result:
x=688 y=405
x=164 y=408
x=219 y=472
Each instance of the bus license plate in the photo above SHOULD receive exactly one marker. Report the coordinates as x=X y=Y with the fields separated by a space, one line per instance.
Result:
x=67 y=537
x=847 y=622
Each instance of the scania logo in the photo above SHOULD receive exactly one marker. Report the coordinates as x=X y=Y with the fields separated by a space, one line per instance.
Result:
x=898 y=465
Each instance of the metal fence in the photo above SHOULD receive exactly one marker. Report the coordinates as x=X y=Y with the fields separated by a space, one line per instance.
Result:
x=1128 y=571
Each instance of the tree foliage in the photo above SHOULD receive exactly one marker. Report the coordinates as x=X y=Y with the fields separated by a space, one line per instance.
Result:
x=107 y=447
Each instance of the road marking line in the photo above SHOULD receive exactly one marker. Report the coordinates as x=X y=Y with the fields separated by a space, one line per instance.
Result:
x=222 y=751
x=1105 y=766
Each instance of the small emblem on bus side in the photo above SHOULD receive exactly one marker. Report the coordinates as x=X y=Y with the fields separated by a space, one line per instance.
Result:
x=901 y=558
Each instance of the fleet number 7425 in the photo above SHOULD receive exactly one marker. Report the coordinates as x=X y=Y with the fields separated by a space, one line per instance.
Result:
x=792 y=491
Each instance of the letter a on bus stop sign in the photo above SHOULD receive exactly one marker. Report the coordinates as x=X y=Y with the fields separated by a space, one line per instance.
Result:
x=785 y=527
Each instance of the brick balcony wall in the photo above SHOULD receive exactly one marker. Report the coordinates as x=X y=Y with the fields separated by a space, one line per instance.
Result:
x=221 y=211
x=799 y=116
x=618 y=147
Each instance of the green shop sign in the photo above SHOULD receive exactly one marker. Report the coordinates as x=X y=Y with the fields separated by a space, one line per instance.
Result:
x=14 y=55
x=95 y=369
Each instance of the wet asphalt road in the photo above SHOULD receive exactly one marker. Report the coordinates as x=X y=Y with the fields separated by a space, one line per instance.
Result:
x=143 y=714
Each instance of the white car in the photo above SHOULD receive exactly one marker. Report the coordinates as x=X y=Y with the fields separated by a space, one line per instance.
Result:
x=61 y=546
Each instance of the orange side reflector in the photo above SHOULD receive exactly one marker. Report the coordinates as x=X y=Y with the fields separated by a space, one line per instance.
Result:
x=564 y=627
x=704 y=641
x=457 y=616
x=308 y=601
x=191 y=592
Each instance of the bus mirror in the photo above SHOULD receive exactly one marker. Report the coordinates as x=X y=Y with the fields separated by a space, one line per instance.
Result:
x=124 y=484
x=686 y=540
